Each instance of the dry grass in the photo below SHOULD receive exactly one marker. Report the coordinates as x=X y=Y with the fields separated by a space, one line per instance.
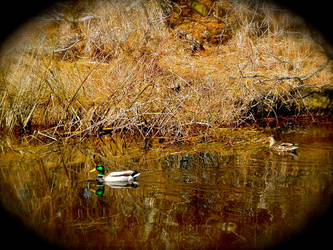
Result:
x=156 y=68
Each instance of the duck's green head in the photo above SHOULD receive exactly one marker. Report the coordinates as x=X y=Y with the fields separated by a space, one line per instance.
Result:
x=99 y=168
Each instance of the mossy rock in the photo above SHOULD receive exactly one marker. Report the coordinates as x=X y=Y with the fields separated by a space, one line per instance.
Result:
x=199 y=7
x=318 y=101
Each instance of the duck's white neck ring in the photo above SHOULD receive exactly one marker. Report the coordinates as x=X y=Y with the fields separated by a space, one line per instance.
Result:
x=100 y=178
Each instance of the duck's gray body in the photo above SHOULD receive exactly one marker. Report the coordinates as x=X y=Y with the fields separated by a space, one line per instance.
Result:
x=120 y=176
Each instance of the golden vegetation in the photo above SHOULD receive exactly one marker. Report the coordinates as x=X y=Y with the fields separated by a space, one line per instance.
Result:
x=168 y=69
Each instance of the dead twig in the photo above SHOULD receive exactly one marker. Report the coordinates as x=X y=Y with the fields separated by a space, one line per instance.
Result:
x=67 y=48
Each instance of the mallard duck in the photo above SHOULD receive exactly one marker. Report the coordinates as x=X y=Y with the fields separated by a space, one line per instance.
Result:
x=120 y=176
x=281 y=146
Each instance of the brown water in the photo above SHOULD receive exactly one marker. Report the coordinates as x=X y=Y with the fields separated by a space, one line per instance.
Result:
x=210 y=196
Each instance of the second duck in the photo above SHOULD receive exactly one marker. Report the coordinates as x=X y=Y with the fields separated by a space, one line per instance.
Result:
x=282 y=146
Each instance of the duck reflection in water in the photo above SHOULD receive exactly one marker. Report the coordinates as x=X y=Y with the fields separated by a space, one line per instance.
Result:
x=100 y=188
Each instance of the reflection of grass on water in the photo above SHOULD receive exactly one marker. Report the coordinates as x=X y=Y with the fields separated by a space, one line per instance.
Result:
x=223 y=197
x=156 y=68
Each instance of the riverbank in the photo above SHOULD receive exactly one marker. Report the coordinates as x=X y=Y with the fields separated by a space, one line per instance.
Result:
x=161 y=70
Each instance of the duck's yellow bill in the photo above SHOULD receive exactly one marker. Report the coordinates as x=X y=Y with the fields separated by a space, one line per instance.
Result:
x=93 y=170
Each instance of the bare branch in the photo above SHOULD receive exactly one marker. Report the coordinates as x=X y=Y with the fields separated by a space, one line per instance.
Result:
x=69 y=47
